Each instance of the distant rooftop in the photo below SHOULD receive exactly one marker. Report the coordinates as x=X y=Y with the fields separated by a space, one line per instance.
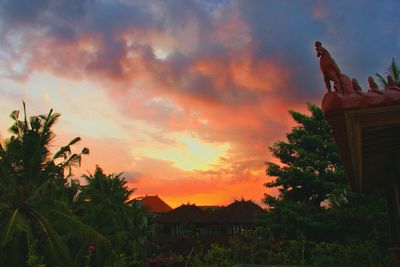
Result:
x=182 y=214
x=154 y=204
x=243 y=212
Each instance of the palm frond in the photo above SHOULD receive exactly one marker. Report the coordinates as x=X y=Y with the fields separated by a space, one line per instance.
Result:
x=8 y=228
x=395 y=70
x=51 y=119
x=73 y=161
x=85 y=151
x=48 y=122
x=23 y=226
x=382 y=80
x=34 y=121
x=25 y=118
x=80 y=229
x=40 y=190
x=74 y=141
x=58 y=249
x=17 y=128
x=62 y=153
x=14 y=115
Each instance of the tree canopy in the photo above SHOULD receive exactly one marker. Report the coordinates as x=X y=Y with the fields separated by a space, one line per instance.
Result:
x=45 y=217
x=315 y=201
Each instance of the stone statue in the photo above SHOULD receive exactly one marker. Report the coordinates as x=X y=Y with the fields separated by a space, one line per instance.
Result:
x=346 y=84
x=372 y=84
x=329 y=69
x=356 y=85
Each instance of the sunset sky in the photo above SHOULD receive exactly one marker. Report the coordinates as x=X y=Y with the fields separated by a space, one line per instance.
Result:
x=183 y=97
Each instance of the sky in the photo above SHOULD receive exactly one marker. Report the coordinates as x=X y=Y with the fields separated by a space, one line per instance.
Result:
x=184 y=97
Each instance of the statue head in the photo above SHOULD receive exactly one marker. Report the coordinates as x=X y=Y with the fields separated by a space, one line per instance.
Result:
x=318 y=47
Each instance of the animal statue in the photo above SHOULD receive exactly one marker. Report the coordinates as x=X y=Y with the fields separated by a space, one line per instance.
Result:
x=372 y=84
x=356 y=85
x=329 y=68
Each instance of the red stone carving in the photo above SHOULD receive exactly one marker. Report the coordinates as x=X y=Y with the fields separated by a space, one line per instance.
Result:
x=356 y=86
x=329 y=68
x=346 y=84
x=373 y=86
x=365 y=127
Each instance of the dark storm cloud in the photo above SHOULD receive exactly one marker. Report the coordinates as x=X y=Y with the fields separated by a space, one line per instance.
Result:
x=22 y=12
x=43 y=13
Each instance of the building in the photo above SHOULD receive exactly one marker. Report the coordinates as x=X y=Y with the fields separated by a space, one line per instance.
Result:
x=180 y=222
x=233 y=219
x=193 y=221
x=153 y=205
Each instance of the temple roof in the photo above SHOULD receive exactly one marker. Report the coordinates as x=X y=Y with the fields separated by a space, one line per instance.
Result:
x=182 y=214
x=336 y=102
x=238 y=212
x=366 y=128
x=244 y=212
x=154 y=204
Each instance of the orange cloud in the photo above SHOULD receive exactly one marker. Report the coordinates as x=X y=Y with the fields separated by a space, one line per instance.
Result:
x=264 y=74
x=198 y=74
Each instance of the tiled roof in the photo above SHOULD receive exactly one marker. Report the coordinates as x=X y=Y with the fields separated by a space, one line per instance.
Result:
x=238 y=212
x=183 y=214
x=154 y=204
x=243 y=211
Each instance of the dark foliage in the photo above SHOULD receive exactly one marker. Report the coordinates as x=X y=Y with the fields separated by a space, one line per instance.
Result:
x=41 y=223
x=315 y=202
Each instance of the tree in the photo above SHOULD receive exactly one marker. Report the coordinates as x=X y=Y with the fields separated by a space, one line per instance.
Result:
x=33 y=193
x=309 y=172
x=394 y=72
x=104 y=203
x=315 y=201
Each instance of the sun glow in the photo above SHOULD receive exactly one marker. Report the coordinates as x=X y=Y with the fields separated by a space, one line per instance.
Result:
x=160 y=54
x=189 y=153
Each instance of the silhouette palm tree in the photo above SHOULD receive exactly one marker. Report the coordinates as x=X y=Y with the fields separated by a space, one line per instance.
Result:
x=104 y=202
x=34 y=194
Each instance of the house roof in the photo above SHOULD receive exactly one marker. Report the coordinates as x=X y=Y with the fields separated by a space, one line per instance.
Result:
x=238 y=212
x=154 y=204
x=210 y=207
x=241 y=212
x=183 y=214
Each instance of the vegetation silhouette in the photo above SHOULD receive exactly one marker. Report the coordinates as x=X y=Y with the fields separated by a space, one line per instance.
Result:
x=34 y=192
x=48 y=220
x=315 y=203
